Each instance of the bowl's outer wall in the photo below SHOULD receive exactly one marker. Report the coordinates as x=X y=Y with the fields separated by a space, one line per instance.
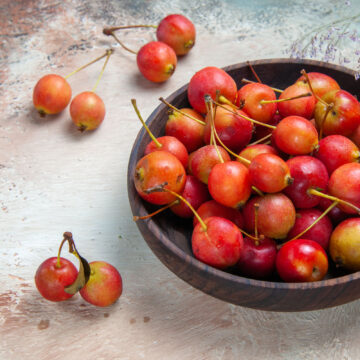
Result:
x=169 y=237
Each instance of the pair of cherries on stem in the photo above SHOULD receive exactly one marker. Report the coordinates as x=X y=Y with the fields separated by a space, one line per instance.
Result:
x=57 y=279
x=52 y=94
x=157 y=60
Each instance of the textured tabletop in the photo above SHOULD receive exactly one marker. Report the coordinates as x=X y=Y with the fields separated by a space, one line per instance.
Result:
x=54 y=179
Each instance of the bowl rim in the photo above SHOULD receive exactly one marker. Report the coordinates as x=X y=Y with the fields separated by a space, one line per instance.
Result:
x=200 y=266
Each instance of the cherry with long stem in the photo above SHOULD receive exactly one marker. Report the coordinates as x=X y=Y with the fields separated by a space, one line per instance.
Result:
x=247 y=81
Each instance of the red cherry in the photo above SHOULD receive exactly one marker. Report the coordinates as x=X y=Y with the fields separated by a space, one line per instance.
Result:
x=250 y=97
x=301 y=260
x=51 y=279
x=229 y=184
x=220 y=245
x=336 y=150
x=234 y=131
x=206 y=82
x=155 y=169
x=87 y=111
x=294 y=135
x=195 y=192
x=251 y=151
x=156 y=61
x=51 y=94
x=104 y=286
x=276 y=215
x=178 y=32
x=320 y=232
x=308 y=173
x=257 y=259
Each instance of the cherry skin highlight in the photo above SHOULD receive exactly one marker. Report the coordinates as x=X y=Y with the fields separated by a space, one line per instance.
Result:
x=156 y=61
x=51 y=94
x=51 y=280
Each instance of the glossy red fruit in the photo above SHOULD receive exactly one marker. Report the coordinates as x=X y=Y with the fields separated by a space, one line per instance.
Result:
x=188 y=131
x=295 y=135
x=303 y=107
x=233 y=130
x=336 y=150
x=220 y=245
x=156 y=61
x=269 y=173
x=276 y=215
x=229 y=184
x=155 y=169
x=251 y=151
x=178 y=32
x=104 y=286
x=344 y=183
x=51 y=94
x=206 y=82
x=204 y=159
x=195 y=192
x=257 y=260
x=343 y=119
x=301 y=260
x=250 y=97
x=320 y=83
x=87 y=111
x=51 y=280
x=345 y=244
x=308 y=173
x=170 y=144
x=213 y=208
x=320 y=232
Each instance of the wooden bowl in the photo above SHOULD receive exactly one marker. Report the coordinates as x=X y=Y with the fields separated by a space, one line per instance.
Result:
x=169 y=237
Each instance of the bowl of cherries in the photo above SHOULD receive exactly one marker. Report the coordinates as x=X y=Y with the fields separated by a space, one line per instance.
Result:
x=245 y=183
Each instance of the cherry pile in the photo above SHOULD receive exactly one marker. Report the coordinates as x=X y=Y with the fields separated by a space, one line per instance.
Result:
x=57 y=279
x=272 y=182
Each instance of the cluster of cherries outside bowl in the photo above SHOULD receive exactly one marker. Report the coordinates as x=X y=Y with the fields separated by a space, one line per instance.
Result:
x=271 y=184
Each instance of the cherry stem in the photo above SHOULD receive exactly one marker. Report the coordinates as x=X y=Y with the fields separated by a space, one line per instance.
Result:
x=69 y=238
x=181 y=112
x=88 y=64
x=254 y=72
x=247 y=81
x=157 y=143
x=256 y=215
x=313 y=191
x=161 y=187
x=209 y=105
x=317 y=220
x=258 y=191
x=136 y=218
x=304 y=73
x=109 y=52
x=245 y=117
x=261 y=140
x=110 y=30
x=122 y=44
x=286 y=99
x=329 y=107
x=226 y=101
x=248 y=235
